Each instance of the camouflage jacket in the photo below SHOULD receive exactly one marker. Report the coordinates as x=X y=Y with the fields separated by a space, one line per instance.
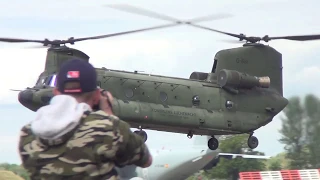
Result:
x=91 y=151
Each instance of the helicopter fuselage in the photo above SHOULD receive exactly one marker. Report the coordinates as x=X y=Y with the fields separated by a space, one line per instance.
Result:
x=179 y=105
x=183 y=105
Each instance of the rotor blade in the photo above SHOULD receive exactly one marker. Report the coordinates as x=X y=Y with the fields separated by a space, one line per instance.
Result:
x=145 y=12
x=122 y=33
x=210 y=17
x=295 y=38
x=141 y=11
x=15 y=90
x=36 y=47
x=14 y=40
x=72 y=40
x=265 y=38
x=231 y=41
x=148 y=13
x=240 y=36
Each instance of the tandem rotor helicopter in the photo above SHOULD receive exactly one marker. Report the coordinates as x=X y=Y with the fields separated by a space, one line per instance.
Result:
x=242 y=93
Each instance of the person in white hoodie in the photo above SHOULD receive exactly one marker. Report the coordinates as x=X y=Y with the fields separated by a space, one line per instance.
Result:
x=68 y=140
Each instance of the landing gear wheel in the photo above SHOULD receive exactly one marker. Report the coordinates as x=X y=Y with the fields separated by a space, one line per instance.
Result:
x=143 y=134
x=213 y=143
x=190 y=134
x=253 y=142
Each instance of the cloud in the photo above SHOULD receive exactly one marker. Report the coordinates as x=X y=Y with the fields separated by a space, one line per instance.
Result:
x=9 y=149
x=13 y=118
x=308 y=74
x=306 y=80
x=50 y=10
x=91 y=10
x=294 y=53
x=131 y=53
x=21 y=69
x=7 y=139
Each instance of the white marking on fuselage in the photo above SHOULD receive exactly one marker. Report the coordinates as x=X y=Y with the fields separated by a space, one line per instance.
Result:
x=197 y=159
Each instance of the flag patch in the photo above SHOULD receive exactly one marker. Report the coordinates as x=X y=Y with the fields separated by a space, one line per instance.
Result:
x=73 y=74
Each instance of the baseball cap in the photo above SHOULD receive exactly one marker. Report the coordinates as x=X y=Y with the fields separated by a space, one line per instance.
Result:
x=77 y=70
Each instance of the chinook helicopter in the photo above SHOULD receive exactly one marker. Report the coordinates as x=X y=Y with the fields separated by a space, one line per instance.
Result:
x=242 y=92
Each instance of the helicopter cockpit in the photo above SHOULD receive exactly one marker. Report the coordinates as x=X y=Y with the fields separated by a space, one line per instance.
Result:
x=47 y=81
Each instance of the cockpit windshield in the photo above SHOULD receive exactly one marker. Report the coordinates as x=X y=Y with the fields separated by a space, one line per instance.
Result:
x=47 y=81
x=41 y=81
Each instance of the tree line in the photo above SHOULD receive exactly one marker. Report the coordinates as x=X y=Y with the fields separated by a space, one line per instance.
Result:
x=300 y=134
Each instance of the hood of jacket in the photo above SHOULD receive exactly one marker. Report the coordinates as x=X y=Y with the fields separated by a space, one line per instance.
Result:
x=59 y=117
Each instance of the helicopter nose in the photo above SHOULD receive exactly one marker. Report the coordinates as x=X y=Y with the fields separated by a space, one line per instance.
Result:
x=25 y=97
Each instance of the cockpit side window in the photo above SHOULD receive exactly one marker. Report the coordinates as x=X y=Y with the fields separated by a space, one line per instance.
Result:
x=41 y=81
x=48 y=80
x=214 y=66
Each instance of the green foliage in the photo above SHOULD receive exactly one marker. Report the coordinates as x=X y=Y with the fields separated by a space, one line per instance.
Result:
x=293 y=132
x=275 y=166
x=277 y=162
x=300 y=132
x=16 y=169
x=312 y=111
x=199 y=175
x=229 y=169
x=191 y=177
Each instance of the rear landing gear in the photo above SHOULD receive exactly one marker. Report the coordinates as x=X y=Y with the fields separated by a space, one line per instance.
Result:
x=213 y=143
x=253 y=141
x=190 y=134
x=142 y=134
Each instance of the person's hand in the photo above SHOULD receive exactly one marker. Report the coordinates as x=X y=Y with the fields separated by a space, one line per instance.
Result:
x=148 y=163
x=106 y=100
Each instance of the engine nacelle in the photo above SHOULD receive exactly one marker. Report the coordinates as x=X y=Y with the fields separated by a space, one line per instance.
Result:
x=199 y=76
x=237 y=79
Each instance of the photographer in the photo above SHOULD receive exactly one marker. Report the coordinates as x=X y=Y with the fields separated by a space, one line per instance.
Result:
x=68 y=140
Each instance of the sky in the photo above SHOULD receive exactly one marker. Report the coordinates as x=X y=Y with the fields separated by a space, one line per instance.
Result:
x=175 y=51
